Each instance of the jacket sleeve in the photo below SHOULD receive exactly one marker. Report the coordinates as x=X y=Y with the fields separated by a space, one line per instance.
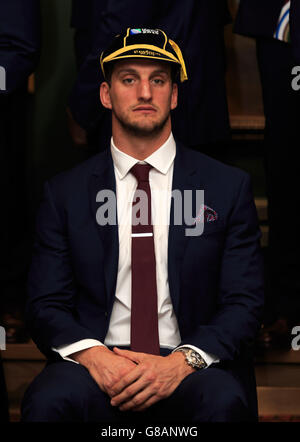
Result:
x=19 y=40
x=295 y=28
x=50 y=310
x=257 y=18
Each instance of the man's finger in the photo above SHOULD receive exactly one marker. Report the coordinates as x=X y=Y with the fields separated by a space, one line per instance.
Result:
x=132 y=355
x=127 y=380
x=132 y=390
x=152 y=400
x=139 y=400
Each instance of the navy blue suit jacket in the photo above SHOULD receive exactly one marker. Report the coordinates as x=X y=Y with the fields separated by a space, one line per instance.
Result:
x=19 y=40
x=295 y=28
x=197 y=26
x=258 y=18
x=215 y=279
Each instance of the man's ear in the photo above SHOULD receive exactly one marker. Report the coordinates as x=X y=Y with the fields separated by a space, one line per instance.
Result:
x=105 y=95
x=174 y=97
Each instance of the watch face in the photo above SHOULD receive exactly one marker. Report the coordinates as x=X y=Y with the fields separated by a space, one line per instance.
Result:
x=196 y=360
x=193 y=358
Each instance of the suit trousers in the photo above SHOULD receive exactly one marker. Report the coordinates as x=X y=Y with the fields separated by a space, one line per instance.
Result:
x=65 y=392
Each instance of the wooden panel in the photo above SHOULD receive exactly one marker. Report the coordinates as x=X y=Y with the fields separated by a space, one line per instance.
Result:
x=18 y=376
x=278 y=375
x=242 y=80
x=279 y=357
x=278 y=401
x=262 y=208
x=264 y=241
x=27 y=351
x=31 y=84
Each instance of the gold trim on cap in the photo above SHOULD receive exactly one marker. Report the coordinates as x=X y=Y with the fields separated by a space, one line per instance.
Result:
x=183 y=73
x=115 y=54
x=125 y=38
x=166 y=39
x=120 y=54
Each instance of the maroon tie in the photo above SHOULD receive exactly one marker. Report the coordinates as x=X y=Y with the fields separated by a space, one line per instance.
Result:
x=144 y=317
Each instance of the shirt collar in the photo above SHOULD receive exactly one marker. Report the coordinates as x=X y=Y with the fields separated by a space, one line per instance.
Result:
x=161 y=159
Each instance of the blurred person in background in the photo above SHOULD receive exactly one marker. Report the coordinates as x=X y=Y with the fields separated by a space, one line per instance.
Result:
x=201 y=120
x=19 y=54
x=276 y=28
x=19 y=43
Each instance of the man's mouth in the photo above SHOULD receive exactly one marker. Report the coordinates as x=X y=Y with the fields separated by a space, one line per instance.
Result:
x=144 y=109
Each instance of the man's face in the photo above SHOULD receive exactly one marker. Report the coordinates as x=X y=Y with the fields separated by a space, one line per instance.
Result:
x=141 y=95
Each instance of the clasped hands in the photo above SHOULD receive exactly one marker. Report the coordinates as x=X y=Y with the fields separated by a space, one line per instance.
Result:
x=134 y=381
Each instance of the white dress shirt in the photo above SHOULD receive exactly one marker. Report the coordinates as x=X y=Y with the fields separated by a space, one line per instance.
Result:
x=160 y=179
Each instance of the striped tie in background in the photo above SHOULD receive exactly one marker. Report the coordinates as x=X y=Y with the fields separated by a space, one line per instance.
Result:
x=283 y=27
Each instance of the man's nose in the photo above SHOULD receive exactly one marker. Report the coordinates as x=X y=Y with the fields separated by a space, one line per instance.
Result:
x=144 y=91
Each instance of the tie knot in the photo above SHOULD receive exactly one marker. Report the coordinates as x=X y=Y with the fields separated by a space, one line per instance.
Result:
x=141 y=172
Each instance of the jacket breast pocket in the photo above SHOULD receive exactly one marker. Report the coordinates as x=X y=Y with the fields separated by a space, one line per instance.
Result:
x=209 y=228
x=203 y=253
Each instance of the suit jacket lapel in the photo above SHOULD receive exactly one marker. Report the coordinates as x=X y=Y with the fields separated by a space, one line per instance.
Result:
x=103 y=178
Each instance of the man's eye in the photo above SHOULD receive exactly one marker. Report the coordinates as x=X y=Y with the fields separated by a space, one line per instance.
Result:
x=158 y=81
x=128 y=80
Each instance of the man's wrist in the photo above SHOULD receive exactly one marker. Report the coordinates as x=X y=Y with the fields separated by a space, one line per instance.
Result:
x=85 y=357
x=209 y=358
x=179 y=360
x=192 y=357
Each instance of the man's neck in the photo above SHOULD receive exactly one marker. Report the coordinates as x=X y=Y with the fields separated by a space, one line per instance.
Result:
x=140 y=147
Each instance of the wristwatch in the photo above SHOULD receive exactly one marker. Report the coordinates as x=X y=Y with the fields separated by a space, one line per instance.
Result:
x=193 y=358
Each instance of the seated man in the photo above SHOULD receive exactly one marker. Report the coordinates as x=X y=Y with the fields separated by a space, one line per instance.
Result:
x=134 y=312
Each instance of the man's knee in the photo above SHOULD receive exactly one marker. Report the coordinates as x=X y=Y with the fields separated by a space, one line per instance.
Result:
x=45 y=405
x=211 y=395
x=61 y=392
x=225 y=406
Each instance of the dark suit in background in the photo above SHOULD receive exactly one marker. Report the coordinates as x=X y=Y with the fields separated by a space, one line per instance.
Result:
x=295 y=31
x=19 y=48
x=19 y=40
x=197 y=26
x=82 y=17
x=18 y=52
x=258 y=19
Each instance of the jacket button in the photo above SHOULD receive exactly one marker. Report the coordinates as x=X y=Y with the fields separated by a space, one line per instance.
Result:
x=106 y=314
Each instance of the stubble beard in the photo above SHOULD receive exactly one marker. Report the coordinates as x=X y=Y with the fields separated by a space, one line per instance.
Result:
x=141 y=130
